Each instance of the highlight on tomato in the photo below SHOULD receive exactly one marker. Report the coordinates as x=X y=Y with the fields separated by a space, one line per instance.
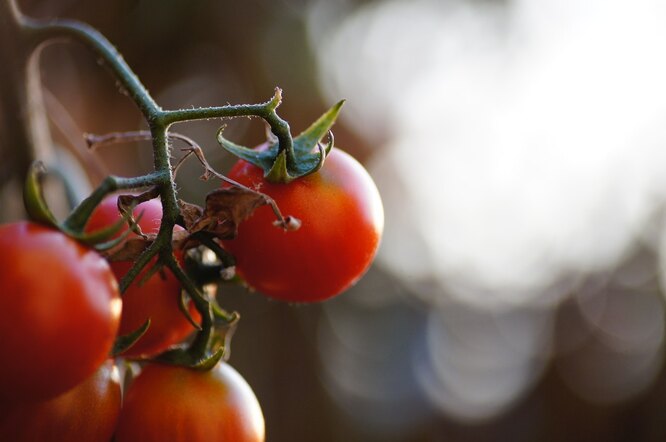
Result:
x=59 y=312
x=158 y=297
x=179 y=404
x=87 y=413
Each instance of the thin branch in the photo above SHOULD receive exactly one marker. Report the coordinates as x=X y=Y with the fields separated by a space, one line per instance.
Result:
x=279 y=127
x=78 y=217
x=94 y=141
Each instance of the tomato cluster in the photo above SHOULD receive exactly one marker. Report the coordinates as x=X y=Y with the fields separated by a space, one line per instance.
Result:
x=60 y=311
x=164 y=403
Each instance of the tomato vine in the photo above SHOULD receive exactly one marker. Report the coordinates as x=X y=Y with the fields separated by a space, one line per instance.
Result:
x=37 y=32
x=312 y=254
x=348 y=203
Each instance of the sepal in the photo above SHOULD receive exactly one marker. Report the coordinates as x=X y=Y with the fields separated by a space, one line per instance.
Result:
x=282 y=165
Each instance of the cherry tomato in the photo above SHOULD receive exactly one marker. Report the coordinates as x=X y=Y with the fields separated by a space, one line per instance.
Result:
x=157 y=298
x=59 y=312
x=177 y=404
x=342 y=222
x=87 y=413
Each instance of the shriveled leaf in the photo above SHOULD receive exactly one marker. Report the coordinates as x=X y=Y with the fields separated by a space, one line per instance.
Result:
x=191 y=213
x=226 y=209
x=130 y=249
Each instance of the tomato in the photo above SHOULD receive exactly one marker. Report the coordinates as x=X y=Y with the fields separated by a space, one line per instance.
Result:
x=342 y=222
x=59 y=312
x=157 y=298
x=87 y=413
x=177 y=404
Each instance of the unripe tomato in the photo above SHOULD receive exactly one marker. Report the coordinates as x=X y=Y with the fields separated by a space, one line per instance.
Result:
x=59 y=312
x=158 y=297
x=87 y=413
x=177 y=404
x=342 y=221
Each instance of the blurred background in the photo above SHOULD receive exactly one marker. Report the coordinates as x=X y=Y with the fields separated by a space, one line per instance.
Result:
x=520 y=149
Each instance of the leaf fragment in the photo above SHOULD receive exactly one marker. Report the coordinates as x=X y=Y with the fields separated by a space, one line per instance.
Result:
x=225 y=210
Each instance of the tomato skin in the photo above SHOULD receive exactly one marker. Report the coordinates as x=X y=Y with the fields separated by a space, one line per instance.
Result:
x=157 y=298
x=342 y=221
x=177 y=404
x=59 y=312
x=87 y=413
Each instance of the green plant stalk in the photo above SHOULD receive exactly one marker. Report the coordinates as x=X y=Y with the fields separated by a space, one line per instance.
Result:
x=266 y=110
x=77 y=219
x=201 y=342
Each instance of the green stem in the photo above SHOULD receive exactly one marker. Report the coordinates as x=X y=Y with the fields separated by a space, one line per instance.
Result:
x=77 y=219
x=167 y=189
x=163 y=179
x=200 y=344
x=279 y=126
x=207 y=113
x=141 y=262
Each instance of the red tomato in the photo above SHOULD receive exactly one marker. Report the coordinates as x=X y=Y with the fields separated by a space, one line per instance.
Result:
x=342 y=222
x=87 y=413
x=177 y=404
x=59 y=312
x=157 y=298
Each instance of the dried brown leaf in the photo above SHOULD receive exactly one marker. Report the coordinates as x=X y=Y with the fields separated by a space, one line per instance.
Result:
x=191 y=213
x=225 y=209
x=130 y=249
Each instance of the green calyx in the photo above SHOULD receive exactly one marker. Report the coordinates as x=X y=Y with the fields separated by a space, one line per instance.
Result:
x=33 y=197
x=125 y=342
x=211 y=344
x=283 y=164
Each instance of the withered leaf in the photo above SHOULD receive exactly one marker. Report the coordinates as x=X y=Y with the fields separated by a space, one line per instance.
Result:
x=132 y=247
x=225 y=209
x=191 y=213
